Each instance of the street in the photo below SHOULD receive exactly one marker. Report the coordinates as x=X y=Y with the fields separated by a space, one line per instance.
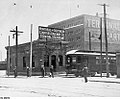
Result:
x=36 y=86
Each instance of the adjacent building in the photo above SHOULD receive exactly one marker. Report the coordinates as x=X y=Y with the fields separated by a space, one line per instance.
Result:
x=83 y=32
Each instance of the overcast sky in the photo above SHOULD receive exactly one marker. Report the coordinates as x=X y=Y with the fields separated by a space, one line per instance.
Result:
x=22 y=13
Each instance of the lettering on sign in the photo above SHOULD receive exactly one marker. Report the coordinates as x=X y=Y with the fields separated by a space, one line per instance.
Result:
x=51 y=33
x=113 y=28
x=93 y=23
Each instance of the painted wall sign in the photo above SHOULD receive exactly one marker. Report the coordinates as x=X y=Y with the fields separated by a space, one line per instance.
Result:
x=92 y=24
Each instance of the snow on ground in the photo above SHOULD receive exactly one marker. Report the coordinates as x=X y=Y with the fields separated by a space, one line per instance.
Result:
x=58 y=87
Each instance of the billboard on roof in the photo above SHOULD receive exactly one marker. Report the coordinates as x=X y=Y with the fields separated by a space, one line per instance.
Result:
x=50 y=33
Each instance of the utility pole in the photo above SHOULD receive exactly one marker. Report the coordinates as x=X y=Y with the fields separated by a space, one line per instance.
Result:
x=8 y=60
x=90 y=41
x=106 y=41
x=46 y=50
x=16 y=33
x=31 y=52
x=100 y=38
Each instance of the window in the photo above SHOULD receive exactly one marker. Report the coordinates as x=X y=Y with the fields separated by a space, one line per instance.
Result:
x=46 y=62
x=74 y=59
x=97 y=61
x=24 y=62
x=68 y=60
x=33 y=62
x=60 y=60
x=78 y=59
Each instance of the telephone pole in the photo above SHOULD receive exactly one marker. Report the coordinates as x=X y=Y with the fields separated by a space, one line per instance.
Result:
x=106 y=41
x=8 y=59
x=90 y=41
x=100 y=38
x=31 y=51
x=16 y=34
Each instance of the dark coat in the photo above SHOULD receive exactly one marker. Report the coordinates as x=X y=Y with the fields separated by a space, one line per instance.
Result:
x=85 y=71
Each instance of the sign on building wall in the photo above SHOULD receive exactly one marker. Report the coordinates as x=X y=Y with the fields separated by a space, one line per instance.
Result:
x=50 y=33
x=92 y=24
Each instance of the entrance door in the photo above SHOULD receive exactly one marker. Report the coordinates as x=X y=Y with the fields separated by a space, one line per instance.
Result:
x=53 y=61
x=24 y=63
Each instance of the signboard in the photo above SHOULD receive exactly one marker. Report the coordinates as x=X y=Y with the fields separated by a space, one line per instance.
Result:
x=92 y=24
x=50 y=33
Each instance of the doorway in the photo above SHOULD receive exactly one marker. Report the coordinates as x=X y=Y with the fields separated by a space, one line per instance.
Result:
x=53 y=62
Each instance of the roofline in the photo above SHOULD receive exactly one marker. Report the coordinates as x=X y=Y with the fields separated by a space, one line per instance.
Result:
x=67 y=19
x=85 y=52
x=78 y=17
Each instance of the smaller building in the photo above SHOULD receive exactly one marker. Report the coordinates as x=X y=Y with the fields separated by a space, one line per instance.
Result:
x=54 y=55
x=48 y=49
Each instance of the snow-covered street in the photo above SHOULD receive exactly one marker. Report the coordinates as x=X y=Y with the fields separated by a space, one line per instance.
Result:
x=36 y=86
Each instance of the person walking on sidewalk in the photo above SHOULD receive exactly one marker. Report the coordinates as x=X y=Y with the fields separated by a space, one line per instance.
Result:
x=43 y=70
x=51 y=71
x=85 y=73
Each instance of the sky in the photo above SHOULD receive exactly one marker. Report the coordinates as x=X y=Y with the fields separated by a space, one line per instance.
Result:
x=23 y=13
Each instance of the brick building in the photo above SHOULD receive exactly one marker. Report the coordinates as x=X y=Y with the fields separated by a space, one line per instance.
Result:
x=78 y=29
x=47 y=50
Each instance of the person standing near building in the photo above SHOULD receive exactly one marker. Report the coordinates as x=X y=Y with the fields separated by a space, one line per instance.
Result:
x=28 y=71
x=43 y=70
x=85 y=73
x=15 y=72
x=51 y=71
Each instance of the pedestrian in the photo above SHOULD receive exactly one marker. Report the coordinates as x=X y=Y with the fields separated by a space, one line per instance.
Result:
x=85 y=73
x=15 y=72
x=51 y=71
x=28 y=71
x=43 y=70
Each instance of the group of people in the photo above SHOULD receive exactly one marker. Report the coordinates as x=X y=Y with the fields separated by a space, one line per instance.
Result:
x=84 y=70
x=43 y=71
